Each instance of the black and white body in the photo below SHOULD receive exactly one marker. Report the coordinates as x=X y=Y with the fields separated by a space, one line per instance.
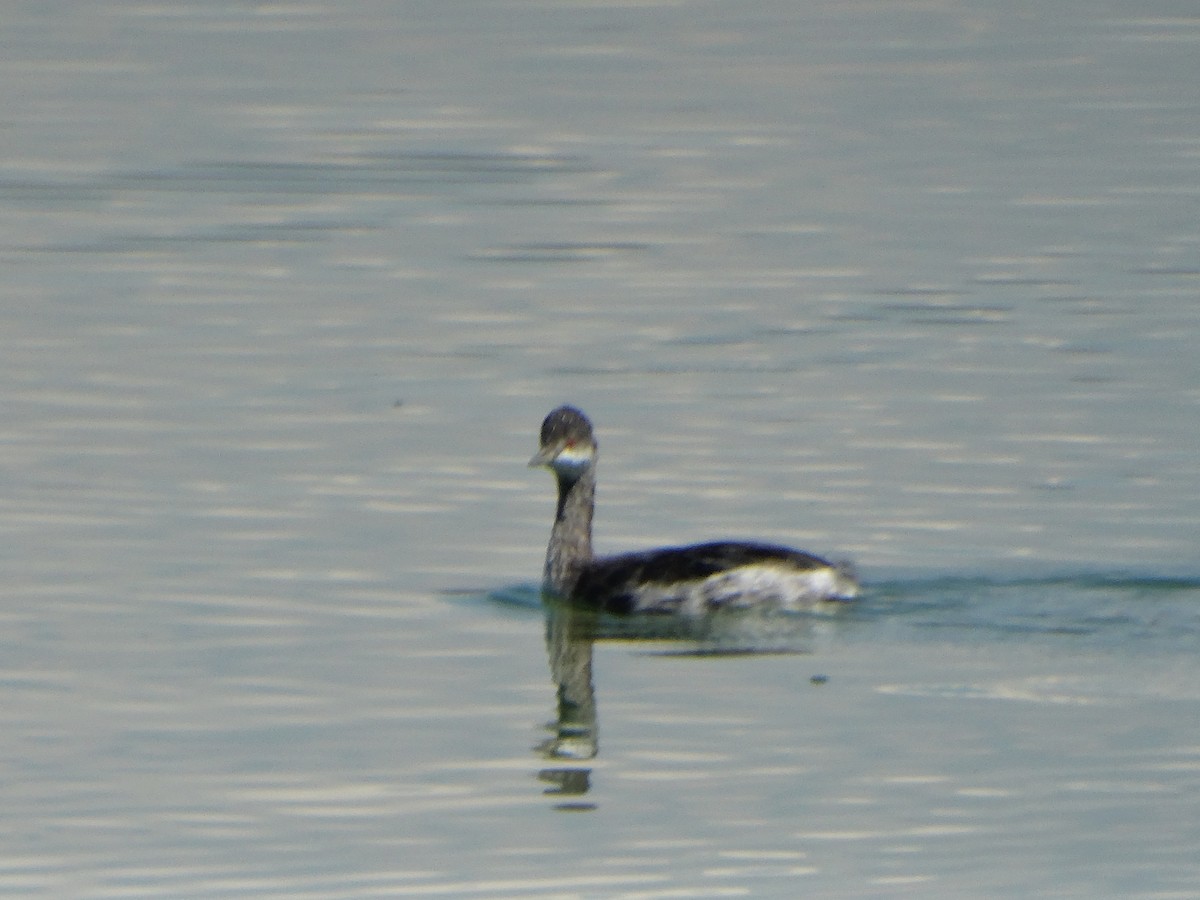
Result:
x=689 y=580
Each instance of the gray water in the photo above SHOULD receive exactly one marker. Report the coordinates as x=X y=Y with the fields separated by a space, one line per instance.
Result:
x=287 y=291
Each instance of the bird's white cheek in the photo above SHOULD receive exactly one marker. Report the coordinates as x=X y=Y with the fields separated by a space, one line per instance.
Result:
x=573 y=460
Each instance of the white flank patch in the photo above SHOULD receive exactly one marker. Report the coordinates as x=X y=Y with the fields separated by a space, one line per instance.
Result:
x=759 y=585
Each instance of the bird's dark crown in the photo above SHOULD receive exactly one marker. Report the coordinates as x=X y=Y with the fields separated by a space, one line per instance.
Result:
x=566 y=424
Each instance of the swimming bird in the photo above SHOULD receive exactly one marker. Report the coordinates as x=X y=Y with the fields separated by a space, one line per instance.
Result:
x=689 y=580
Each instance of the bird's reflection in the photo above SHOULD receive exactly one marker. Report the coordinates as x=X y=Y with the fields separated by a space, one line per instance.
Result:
x=570 y=634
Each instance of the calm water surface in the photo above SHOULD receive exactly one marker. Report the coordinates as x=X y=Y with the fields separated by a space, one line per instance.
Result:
x=288 y=289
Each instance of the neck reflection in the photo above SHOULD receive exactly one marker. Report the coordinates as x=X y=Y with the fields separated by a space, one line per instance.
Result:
x=570 y=634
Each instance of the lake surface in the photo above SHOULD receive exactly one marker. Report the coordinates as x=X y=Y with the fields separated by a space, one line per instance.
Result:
x=288 y=290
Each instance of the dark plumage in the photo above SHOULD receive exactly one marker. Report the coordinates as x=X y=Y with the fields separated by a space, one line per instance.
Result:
x=691 y=579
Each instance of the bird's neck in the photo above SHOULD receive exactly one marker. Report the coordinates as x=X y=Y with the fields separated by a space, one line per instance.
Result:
x=571 y=538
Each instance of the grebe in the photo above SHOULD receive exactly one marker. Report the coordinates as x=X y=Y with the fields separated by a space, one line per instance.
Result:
x=688 y=580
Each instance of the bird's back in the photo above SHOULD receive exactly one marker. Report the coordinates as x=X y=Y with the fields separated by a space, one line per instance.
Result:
x=701 y=577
